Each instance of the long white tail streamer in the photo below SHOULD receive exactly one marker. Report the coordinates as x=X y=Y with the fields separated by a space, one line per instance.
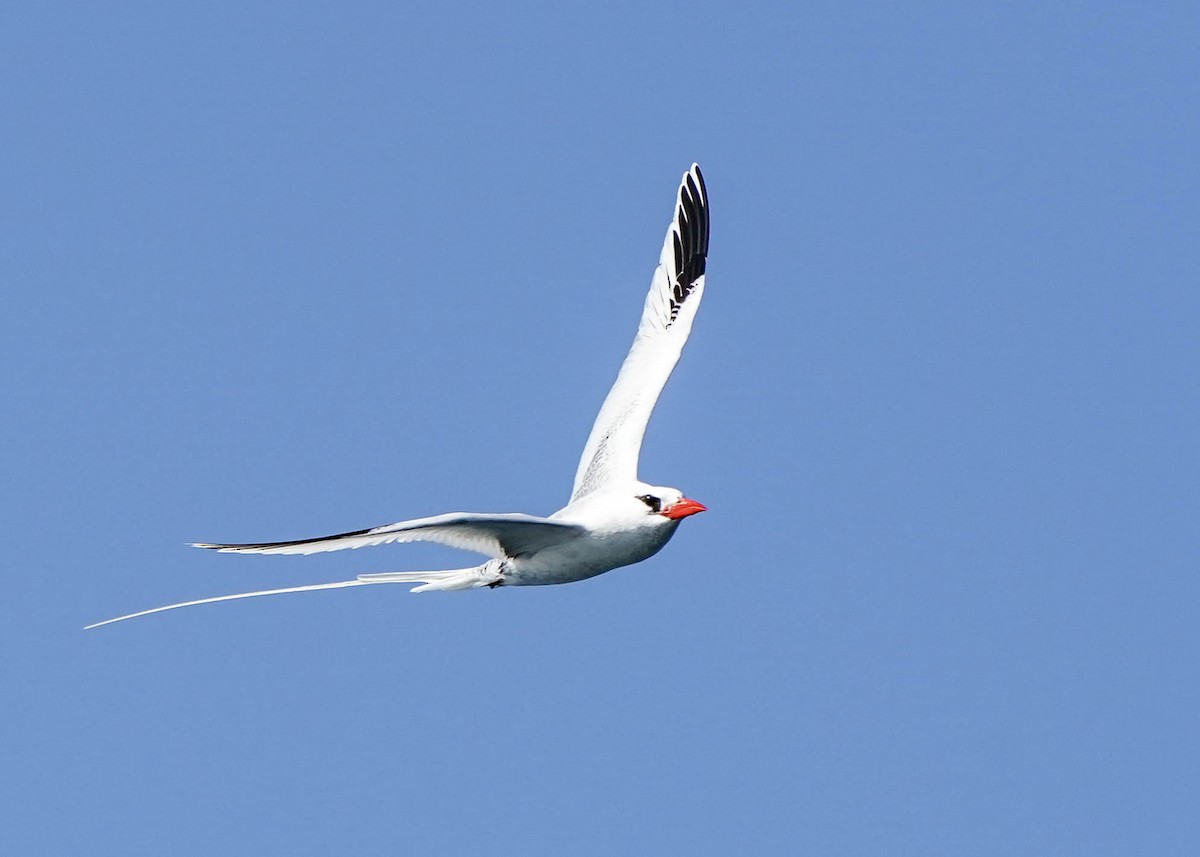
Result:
x=446 y=580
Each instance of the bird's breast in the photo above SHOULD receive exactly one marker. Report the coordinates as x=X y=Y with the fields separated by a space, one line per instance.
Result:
x=588 y=556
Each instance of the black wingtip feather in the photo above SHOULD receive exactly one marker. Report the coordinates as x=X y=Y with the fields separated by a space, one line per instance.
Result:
x=690 y=236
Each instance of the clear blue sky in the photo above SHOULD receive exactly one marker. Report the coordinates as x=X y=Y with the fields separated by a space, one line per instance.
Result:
x=284 y=270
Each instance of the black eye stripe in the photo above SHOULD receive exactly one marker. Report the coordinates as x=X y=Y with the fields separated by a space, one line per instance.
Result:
x=653 y=502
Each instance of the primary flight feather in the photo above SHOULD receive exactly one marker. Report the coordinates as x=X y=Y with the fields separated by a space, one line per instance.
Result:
x=612 y=518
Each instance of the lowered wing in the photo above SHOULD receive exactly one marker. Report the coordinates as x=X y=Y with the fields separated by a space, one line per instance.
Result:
x=497 y=536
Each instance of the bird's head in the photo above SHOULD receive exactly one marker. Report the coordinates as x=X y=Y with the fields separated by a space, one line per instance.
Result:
x=667 y=502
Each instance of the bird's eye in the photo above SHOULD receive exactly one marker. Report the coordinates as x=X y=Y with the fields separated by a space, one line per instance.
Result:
x=653 y=502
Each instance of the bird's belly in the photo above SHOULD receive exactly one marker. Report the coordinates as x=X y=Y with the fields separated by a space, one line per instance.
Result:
x=586 y=557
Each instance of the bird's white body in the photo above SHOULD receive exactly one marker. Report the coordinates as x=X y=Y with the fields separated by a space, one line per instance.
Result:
x=618 y=533
x=613 y=519
x=607 y=540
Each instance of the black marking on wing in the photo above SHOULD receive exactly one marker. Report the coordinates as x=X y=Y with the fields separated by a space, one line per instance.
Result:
x=513 y=534
x=260 y=545
x=690 y=238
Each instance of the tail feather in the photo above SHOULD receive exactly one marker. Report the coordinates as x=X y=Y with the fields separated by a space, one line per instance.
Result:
x=437 y=581
x=458 y=578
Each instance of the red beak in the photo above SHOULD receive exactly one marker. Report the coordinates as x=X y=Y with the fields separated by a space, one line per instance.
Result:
x=682 y=509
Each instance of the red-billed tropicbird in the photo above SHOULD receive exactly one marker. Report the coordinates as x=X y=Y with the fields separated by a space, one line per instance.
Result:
x=613 y=518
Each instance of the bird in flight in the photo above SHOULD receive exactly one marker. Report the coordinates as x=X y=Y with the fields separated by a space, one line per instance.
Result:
x=612 y=519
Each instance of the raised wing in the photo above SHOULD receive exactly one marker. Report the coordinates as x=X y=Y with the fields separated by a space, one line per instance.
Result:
x=611 y=453
x=497 y=536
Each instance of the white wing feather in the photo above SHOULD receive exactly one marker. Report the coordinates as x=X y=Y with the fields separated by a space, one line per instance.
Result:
x=611 y=453
x=497 y=536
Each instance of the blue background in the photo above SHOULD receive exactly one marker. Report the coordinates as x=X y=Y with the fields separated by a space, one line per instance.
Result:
x=288 y=269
